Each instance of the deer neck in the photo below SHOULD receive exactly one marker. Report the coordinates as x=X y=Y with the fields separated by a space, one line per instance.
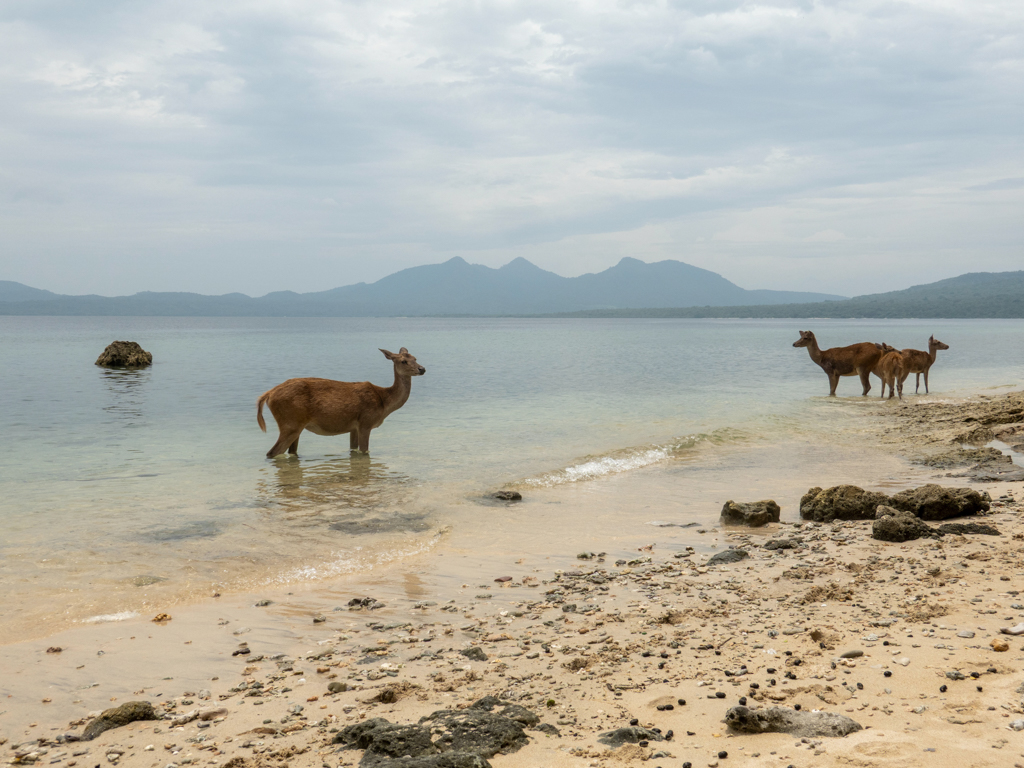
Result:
x=933 y=352
x=396 y=395
x=814 y=351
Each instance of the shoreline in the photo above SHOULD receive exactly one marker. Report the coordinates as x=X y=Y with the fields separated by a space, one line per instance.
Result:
x=732 y=608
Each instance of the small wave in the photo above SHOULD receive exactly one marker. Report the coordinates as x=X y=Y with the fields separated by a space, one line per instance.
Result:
x=593 y=467
x=107 y=617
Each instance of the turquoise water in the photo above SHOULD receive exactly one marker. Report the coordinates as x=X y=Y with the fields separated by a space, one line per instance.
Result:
x=113 y=478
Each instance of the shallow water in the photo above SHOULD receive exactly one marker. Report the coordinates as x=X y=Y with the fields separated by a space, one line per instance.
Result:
x=122 y=490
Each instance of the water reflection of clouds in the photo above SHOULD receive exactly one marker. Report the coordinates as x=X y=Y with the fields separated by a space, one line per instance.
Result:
x=127 y=394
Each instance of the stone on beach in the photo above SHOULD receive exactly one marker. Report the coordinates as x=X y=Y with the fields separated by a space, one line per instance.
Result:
x=841 y=502
x=752 y=513
x=728 y=556
x=898 y=525
x=632 y=734
x=124 y=354
x=115 y=717
x=785 y=720
x=935 y=502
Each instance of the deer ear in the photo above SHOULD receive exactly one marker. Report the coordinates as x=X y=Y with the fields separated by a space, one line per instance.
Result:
x=403 y=351
x=388 y=355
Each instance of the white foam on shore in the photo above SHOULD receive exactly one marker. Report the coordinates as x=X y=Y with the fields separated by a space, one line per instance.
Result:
x=107 y=617
x=629 y=459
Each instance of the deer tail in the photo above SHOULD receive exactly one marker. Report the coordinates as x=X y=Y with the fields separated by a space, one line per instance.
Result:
x=259 y=410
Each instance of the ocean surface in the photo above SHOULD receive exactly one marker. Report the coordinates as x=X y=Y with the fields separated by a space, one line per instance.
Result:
x=121 y=489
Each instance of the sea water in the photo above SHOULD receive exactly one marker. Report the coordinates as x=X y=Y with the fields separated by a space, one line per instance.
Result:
x=121 y=489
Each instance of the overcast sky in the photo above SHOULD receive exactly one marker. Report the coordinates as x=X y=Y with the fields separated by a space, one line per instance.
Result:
x=849 y=147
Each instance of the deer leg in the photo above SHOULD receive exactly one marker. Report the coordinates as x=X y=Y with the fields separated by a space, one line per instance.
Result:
x=294 y=447
x=286 y=439
x=917 y=382
x=364 y=440
x=926 y=382
x=353 y=440
x=833 y=382
x=865 y=379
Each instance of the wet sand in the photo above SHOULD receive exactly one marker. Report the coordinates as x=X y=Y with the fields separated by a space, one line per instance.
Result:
x=586 y=644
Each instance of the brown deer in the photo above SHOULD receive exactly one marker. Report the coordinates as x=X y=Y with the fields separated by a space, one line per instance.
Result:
x=854 y=360
x=890 y=371
x=327 y=407
x=918 y=362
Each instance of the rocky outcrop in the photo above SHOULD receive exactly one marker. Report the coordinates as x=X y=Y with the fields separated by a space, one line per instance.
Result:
x=785 y=720
x=841 y=502
x=124 y=354
x=752 y=513
x=115 y=717
x=444 y=739
x=934 y=502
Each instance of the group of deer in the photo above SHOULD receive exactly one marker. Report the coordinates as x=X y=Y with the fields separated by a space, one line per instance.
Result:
x=892 y=366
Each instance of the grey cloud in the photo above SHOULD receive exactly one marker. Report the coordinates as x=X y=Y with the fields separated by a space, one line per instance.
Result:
x=210 y=134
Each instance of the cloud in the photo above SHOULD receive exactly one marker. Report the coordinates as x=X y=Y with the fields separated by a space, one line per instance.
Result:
x=189 y=145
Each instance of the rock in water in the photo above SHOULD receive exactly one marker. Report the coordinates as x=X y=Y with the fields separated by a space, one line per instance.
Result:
x=751 y=513
x=128 y=712
x=933 y=502
x=729 y=556
x=785 y=720
x=841 y=502
x=124 y=354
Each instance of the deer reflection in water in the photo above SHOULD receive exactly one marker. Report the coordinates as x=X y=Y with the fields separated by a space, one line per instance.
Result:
x=352 y=494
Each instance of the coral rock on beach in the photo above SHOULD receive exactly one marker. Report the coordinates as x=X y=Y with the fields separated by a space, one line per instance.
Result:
x=124 y=354
x=115 y=717
x=934 y=502
x=841 y=502
x=752 y=513
x=785 y=720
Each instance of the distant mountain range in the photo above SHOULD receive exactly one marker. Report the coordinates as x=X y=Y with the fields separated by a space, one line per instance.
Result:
x=974 y=295
x=452 y=288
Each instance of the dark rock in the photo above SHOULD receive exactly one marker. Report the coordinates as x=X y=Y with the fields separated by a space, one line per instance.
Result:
x=547 y=728
x=515 y=712
x=474 y=654
x=632 y=734
x=983 y=465
x=337 y=687
x=841 y=502
x=728 y=556
x=124 y=354
x=753 y=513
x=780 y=544
x=128 y=712
x=964 y=528
x=477 y=731
x=898 y=525
x=508 y=496
x=934 y=502
x=785 y=720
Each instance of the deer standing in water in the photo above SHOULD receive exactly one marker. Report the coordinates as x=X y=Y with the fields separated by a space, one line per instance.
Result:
x=327 y=407
x=890 y=371
x=854 y=360
x=918 y=362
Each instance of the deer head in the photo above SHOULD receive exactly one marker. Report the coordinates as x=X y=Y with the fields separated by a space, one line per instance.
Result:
x=934 y=343
x=806 y=337
x=405 y=364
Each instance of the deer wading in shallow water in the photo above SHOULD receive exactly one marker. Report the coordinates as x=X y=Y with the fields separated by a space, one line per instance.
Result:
x=854 y=360
x=918 y=362
x=327 y=407
x=890 y=371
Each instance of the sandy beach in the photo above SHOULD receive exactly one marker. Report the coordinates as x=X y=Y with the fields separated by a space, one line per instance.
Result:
x=903 y=638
